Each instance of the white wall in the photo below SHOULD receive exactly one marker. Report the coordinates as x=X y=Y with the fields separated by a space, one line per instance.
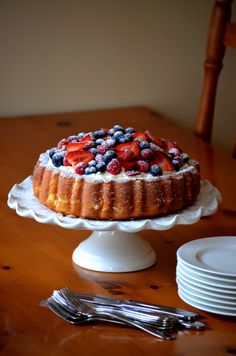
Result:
x=71 y=55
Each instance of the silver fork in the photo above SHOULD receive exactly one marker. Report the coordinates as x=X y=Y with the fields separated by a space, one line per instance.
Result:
x=87 y=313
x=67 y=298
x=142 y=311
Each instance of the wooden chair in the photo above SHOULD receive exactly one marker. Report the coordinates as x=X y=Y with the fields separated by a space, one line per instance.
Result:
x=222 y=34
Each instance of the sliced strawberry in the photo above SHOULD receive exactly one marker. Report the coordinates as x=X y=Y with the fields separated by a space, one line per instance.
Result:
x=157 y=141
x=139 y=134
x=162 y=161
x=128 y=165
x=150 y=136
x=74 y=157
x=130 y=146
x=87 y=138
x=62 y=143
x=77 y=146
x=172 y=145
x=126 y=155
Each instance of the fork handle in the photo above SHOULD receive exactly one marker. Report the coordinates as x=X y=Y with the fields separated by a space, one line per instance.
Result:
x=139 y=325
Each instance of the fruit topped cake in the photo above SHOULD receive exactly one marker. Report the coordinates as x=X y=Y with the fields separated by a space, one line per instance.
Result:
x=118 y=173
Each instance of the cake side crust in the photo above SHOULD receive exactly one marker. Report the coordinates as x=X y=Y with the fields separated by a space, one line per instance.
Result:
x=115 y=199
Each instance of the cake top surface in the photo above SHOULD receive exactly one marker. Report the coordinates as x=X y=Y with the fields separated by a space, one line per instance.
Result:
x=117 y=152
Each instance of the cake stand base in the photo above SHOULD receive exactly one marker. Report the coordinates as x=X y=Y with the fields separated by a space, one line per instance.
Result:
x=114 y=251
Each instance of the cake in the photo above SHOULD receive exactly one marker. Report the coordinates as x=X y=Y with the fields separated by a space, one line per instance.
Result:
x=116 y=174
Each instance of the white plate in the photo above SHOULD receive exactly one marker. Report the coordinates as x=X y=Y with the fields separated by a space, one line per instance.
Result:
x=204 y=307
x=228 y=298
x=212 y=254
x=207 y=298
x=207 y=302
x=206 y=287
x=205 y=280
x=195 y=272
x=209 y=295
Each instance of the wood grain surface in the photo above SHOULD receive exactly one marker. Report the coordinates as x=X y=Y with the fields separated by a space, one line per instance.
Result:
x=36 y=258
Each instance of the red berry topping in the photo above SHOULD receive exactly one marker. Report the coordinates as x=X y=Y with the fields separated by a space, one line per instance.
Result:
x=127 y=155
x=66 y=162
x=75 y=157
x=80 y=168
x=140 y=135
x=77 y=146
x=128 y=165
x=131 y=146
x=121 y=148
x=114 y=167
x=87 y=138
x=162 y=161
x=62 y=144
x=156 y=149
x=147 y=154
x=152 y=138
x=102 y=148
x=143 y=166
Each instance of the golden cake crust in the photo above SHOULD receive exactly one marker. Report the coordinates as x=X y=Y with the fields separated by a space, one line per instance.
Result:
x=115 y=199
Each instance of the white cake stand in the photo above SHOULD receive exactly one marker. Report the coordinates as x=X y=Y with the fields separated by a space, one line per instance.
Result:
x=114 y=246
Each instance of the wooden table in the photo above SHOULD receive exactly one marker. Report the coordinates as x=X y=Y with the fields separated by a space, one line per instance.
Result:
x=36 y=258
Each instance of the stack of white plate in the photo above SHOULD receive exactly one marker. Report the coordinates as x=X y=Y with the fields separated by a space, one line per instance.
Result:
x=206 y=274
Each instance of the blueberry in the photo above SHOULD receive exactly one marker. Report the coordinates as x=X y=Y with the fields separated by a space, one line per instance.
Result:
x=111 y=132
x=109 y=155
x=144 y=144
x=176 y=164
x=81 y=135
x=99 y=133
x=128 y=136
x=93 y=151
x=138 y=139
x=185 y=157
x=52 y=152
x=123 y=139
x=156 y=170
x=72 y=138
x=99 y=157
x=129 y=130
x=118 y=128
x=117 y=135
x=99 y=141
x=57 y=159
x=92 y=163
x=90 y=170
x=101 y=167
x=110 y=143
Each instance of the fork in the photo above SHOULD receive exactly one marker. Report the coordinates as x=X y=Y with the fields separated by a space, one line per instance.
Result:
x=67 y=298
x=87 y=313
x=140 y=311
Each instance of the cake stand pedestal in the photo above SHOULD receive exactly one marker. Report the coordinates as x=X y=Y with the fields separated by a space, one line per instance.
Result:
x=114 y=246
x=114 y=251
